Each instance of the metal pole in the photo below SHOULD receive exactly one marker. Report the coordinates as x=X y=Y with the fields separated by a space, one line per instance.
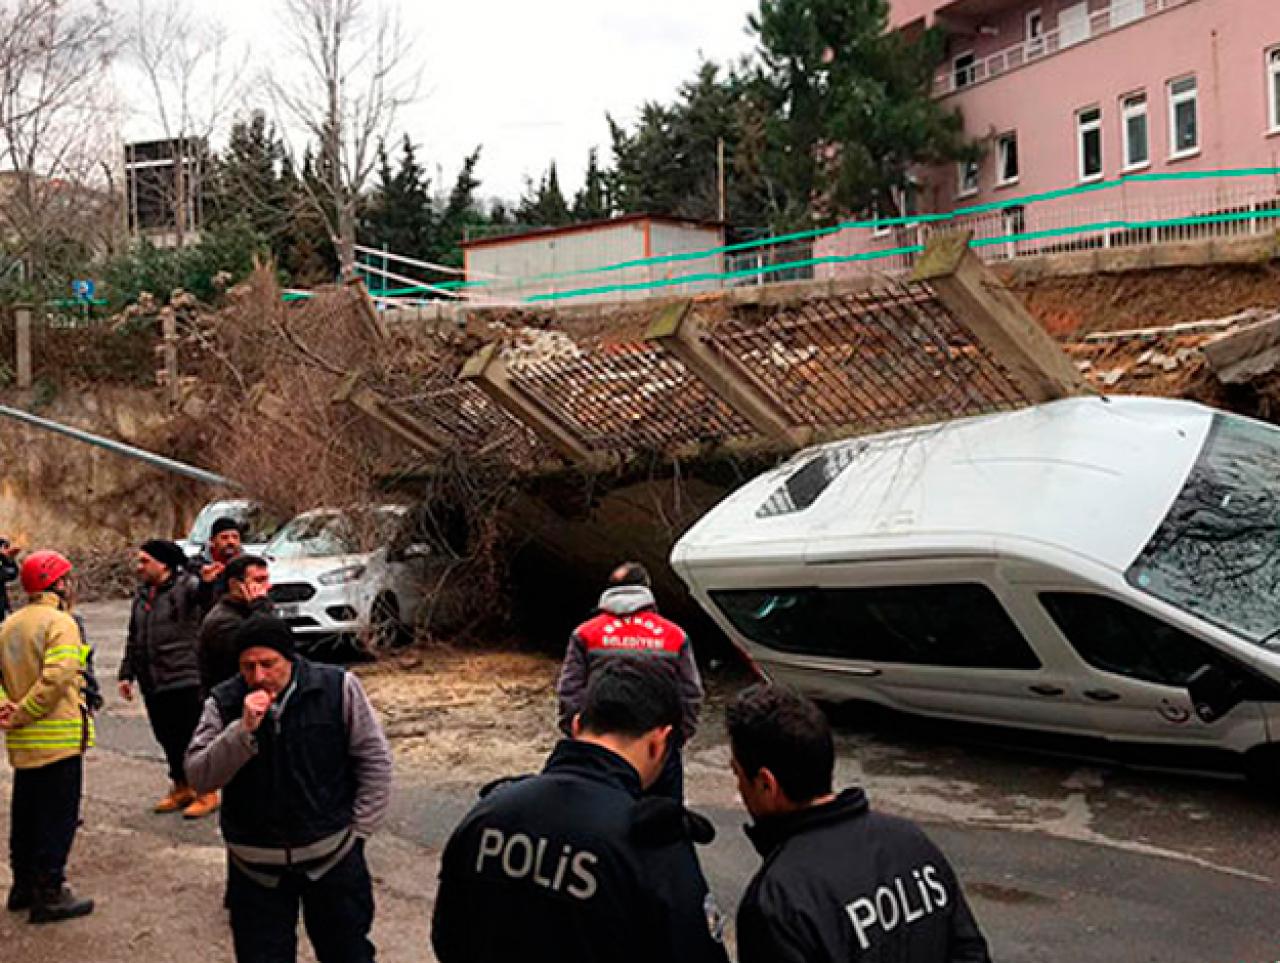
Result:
x=119 y=447
x=720 y=176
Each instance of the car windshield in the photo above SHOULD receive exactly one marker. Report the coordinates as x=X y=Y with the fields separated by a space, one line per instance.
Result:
x=331 y=533
x=1217 y=552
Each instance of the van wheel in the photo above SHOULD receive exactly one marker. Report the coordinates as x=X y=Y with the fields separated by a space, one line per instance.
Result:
x=1262 y=767
x=386 y=631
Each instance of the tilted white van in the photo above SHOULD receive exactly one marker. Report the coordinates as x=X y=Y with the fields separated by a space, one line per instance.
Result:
x=1104 y=568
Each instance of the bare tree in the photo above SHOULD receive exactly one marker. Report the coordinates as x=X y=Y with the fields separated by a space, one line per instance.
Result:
x=56 y=133
x=353 y=78
x=194 y=80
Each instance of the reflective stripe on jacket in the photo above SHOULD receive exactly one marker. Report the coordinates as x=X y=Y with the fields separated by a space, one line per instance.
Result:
x=42 y=666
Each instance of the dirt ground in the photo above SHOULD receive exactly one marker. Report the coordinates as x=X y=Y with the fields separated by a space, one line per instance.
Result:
x=1072 y=307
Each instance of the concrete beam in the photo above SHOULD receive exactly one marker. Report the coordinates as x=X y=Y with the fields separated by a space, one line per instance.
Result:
x=679 y=330
x=419 y=435
x=997 y=319
x=1245 y=355
x=489 y=372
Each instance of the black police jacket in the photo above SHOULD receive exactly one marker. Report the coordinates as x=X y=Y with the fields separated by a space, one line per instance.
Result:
x=842 y=883
x=573 y=865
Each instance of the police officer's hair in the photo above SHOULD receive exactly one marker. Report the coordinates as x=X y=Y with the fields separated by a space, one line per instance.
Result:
x=629 y=696
x=775 y=728
x=630 y=573
x=239 y=566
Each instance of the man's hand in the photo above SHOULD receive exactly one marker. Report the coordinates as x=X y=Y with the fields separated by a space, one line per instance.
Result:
x=126 y=690
x=210 y=572
x=256 y=704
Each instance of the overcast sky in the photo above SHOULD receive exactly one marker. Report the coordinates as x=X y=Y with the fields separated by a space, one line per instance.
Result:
x=531 y=82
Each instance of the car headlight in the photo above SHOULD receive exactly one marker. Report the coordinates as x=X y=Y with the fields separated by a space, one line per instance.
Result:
x=341 y=576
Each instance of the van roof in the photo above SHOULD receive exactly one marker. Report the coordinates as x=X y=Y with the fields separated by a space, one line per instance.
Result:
x=1090 y=476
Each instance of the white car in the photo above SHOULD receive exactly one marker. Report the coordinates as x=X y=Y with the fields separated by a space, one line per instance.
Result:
x=354 y=574
x=1107 y=570
x=257 y=525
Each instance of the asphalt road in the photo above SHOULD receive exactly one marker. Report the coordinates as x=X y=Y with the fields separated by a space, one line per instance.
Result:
x=1062 y=859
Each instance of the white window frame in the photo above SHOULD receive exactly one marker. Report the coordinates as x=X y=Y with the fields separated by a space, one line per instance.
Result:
x=1273 y=97
x=1133 y=105
x=1035 y=33
x=970 y=71
x=1175 y=101
x=1124 y=12
x=879 y=230
x=1083 y=128
x=1001 y=161
x=963 y=188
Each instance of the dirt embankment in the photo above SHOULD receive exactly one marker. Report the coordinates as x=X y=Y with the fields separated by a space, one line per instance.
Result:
x=1072 y=307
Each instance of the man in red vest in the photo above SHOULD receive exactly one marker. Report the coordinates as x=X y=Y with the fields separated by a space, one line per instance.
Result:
x=628 y=623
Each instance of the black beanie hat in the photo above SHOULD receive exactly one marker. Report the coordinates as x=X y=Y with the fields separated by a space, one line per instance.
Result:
x=166 y=553
x=223 y=524
x=268 y=632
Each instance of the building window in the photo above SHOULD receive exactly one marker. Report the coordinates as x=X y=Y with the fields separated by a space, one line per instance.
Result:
x=1074 y=25
x=1137 y=142
x=1007 y=159
x=966 y=178
x=964 y=70
x=1035 y=34
x=1089 y=135
x=1126 y=11
x=1184 y=122
x=1273 y=88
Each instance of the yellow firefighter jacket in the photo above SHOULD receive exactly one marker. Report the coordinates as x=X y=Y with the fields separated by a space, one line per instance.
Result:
x=42 y=663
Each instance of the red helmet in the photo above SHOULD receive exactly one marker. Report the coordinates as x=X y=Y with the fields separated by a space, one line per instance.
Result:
x=41 y=569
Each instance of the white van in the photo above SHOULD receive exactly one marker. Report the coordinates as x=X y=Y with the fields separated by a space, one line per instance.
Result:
x=1104 y=568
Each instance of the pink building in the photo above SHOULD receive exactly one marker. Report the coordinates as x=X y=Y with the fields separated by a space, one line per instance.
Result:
x=1065 y=93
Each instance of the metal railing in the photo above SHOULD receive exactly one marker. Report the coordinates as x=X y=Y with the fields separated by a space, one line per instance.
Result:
x=1117 y=14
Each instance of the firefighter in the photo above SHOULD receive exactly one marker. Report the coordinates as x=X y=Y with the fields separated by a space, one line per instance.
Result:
x=576 y=864
x=47 y=730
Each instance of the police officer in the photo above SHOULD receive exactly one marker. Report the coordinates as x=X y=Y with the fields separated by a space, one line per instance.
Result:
x=576 y=864
x=628 y=623
x=838 y=882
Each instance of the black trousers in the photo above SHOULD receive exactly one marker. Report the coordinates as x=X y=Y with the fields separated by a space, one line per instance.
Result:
x=43 y=820
x=174 y=715
x=337 y=911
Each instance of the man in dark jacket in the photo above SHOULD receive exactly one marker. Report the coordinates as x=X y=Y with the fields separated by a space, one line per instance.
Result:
x=160 y=659
x=8 y=572
x=839 y=882
x=576 y=864
x=211 y=564
x=628 y=623
x=305 y=774
x=248 y=583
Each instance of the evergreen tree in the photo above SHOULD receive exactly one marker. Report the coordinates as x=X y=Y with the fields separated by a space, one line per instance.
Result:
x=399 y=215
x=848 y=107
x=544 y=205
x=592 y=202
x=461 y=212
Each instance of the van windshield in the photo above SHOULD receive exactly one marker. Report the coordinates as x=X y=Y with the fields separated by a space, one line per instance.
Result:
x=1217 y=552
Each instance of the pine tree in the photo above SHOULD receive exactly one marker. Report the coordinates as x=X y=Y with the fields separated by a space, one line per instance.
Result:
x=592 y=202
x=544 y=205
x=399 y=215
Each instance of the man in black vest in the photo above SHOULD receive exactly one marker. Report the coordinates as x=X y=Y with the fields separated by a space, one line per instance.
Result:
x=305 y=774
x=839 y=882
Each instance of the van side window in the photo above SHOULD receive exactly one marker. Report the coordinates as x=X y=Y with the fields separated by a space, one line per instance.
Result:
x=1115 y=637
x=960 y=625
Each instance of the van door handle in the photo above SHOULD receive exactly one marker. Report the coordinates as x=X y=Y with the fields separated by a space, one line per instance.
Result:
x=1046 y=690
x=1102 y=695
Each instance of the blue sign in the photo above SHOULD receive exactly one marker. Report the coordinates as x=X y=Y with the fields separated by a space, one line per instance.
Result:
x=83 y=290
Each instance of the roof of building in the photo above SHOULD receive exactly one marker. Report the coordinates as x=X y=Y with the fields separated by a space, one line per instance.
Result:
x=541 y=233
x=1088 y=476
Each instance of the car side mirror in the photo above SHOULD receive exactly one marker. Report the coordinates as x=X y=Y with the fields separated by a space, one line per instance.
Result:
x=1213 y=692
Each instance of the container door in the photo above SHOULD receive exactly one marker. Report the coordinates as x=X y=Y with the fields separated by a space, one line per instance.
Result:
x=1136 y=668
